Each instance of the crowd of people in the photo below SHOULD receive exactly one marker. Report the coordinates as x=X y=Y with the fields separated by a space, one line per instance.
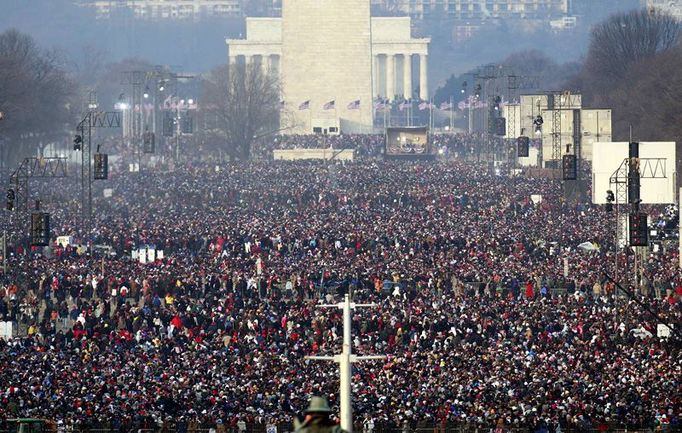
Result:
x=371 y=145
x=489 y=312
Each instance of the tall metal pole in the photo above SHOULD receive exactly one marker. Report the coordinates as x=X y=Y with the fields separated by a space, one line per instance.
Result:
x=616 y=247
x=88 y=158
x=83 y=212
x=346 y=407
x=4 y=252
x=471 y=120
x=345 y=359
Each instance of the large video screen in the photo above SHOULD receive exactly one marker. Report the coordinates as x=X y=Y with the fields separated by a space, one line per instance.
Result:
x=407 y=142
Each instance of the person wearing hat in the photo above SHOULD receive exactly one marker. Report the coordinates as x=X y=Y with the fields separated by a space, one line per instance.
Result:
x=317 y=418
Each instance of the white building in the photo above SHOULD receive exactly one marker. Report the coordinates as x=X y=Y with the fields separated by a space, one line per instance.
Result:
x=334 y=51
x=673 y=7
x=594 y=124
x=478 y=9
x=168 y=9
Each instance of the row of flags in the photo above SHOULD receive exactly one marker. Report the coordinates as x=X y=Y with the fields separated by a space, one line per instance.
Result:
x=379 y=104
x=382 y=104
x=331 y=105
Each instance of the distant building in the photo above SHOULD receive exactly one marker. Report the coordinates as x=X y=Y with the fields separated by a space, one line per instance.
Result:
x=563 y=23
x=478 y=9
x=594 y=124
x=179 y=9
x=673 y=7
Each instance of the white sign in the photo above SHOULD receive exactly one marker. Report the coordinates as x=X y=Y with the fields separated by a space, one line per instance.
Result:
x=6 y=330
x=64 y=241
x=663 y=330
x=108 y=192
x=147 y=254
x=536 y=198
x=658 y=176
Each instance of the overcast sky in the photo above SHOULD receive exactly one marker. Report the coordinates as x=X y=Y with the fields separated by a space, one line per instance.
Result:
x=197 y=47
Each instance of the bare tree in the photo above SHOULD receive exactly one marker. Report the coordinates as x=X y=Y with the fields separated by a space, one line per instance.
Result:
x=239 y=103
x=652 y=99
x=625 y=39
x=35 y=95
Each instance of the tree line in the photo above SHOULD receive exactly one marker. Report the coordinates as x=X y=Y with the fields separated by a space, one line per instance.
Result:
x=37 y=97
x=633 y=66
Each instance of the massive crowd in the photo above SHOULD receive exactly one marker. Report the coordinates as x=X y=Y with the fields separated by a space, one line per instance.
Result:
x=479 y=320
x=371 y=145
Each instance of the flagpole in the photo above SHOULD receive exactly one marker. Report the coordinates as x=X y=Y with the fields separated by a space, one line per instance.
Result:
x=471 y=120
x=383 y=107
x=409 y=113
x=360 y=113
x=452 y=120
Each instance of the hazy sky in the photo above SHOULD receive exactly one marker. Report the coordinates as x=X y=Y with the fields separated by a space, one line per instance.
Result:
x=200 y=46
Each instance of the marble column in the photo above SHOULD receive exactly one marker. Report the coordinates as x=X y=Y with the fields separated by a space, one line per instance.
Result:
x=407 y=76
x=390 y=76
x=377 y=90
x=423 y=77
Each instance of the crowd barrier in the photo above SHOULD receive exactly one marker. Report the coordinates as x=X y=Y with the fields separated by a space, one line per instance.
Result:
x=297 y=154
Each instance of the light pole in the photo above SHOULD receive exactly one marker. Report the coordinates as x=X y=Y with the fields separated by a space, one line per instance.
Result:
x=345 y=359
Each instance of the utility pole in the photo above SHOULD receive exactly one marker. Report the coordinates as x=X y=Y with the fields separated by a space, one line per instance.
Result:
x=4 y=252
x=345 y=359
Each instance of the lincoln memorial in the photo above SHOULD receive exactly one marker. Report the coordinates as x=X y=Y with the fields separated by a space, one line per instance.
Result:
x=334 y=60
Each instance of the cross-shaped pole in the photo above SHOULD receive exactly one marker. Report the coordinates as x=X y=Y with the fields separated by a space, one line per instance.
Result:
x=345 y=359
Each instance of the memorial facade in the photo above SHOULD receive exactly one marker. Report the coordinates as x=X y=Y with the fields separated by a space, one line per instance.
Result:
x=334 y=60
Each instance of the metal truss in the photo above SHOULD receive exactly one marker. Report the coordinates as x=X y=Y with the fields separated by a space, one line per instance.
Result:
x=556 y=125
x=32 y=167
x=648 y=168
x=523 y=82
x=93 y=119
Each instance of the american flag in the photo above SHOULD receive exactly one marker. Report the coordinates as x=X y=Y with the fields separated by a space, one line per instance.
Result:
x=355 y=105
x=424 y=106
x=462 y=105
x=305 y=105
x=445 y=106
x=403 y=105
x=331 y=105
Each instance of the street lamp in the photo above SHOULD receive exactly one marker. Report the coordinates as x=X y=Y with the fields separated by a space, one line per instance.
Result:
x=146 y=93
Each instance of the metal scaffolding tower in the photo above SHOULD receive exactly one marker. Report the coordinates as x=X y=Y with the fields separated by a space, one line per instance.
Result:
x=52 y=167
x=649 y=168
x=93 y=119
